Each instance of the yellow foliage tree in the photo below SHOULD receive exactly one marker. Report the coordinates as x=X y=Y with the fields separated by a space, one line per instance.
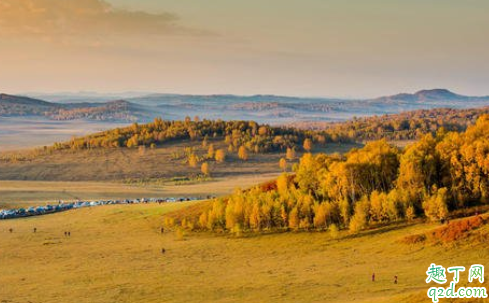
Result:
x=243 y=153
x=193 y=160
x=435 y=206
x=410 y=214
x=255 y=217
x=376 y=206
x=283 y=164
x=205 y=169
x=290 y=155
x=320 y=216
x=345 y=210
x=203 y=220
x=210 y=151
x=359 y=220
x=220 y=156
x=307 y=145
x=283 y=215
x=283 y=184
x=262 y=131
x=294 y=219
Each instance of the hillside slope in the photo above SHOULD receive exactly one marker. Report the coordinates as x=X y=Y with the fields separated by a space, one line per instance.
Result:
x=427 y=95
x=14 y=106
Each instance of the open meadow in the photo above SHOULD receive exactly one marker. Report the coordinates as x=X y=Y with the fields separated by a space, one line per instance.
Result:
x=129 y=173
x=136 y=165
x=114 y=255
x=126 y=174
x=14 y=194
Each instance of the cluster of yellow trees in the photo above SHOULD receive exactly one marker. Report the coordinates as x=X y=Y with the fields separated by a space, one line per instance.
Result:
x=194 y=160
x=376 y=184
x=410 y=125
x=239 y=136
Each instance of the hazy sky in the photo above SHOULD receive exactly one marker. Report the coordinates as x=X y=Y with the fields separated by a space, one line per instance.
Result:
x=345 y=48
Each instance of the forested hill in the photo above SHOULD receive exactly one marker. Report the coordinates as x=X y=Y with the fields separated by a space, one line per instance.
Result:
x=409 y=125
x=235 y=134
x=12 y=106
x=17 y=105
x=433 y=178
x=264 y=138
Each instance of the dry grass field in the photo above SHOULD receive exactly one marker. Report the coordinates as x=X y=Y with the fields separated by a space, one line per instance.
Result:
x=128 y=173
x=123 y=163
x=114 y=255
x=27 y=193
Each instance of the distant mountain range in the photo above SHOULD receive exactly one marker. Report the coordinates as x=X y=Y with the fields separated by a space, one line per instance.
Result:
x=261 y=108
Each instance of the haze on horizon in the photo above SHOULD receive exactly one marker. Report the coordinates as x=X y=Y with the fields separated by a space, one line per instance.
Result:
x=285 y=47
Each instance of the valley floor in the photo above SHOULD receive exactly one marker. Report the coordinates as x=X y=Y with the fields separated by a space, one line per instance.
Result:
x=14 y=194
x=114 y=255
x=27 y=132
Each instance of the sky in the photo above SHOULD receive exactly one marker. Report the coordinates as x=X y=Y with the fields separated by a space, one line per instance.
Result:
x=329 y=48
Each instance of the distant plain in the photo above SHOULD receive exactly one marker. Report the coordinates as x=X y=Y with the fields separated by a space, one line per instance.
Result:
x=27 y=132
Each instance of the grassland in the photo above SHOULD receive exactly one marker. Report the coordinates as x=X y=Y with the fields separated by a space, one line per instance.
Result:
x=128 y=173
x=114 y=255
x=28 y=193
x=123 y=163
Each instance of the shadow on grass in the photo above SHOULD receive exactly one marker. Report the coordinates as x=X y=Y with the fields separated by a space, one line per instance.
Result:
x=251 y=234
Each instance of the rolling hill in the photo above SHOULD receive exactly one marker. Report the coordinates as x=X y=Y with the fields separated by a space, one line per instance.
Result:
x=407 y=125
x=120 y=110
x=11 y=105
x=274 y=109
x=167 y=145
x=59 y=117
x=427 y=95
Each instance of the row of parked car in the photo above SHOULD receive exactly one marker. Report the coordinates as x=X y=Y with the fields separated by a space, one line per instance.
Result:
x=63 y=206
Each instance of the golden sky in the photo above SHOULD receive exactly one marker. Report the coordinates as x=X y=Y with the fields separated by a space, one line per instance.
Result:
x=344 y=48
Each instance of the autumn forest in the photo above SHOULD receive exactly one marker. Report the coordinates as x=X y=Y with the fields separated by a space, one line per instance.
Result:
x=376 y=184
